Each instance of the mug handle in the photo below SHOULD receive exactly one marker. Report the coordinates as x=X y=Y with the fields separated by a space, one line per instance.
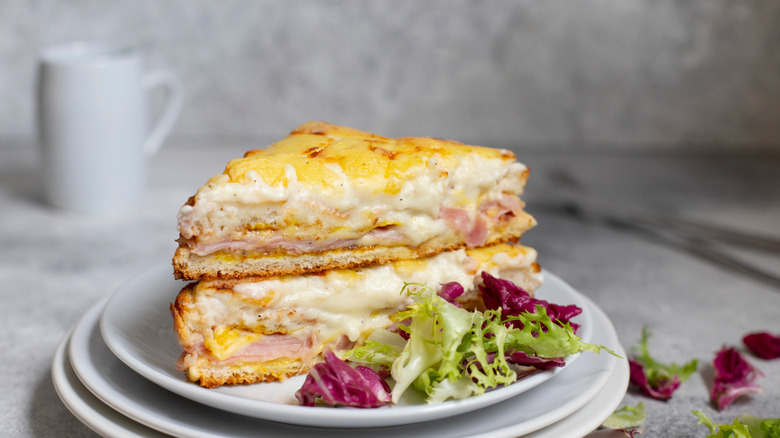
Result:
x=168 y=116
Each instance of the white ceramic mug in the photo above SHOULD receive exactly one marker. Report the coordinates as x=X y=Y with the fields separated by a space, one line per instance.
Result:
x=92 y=114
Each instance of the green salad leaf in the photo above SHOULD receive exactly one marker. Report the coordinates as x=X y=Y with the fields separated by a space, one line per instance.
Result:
x=747 y=426
x=627 y=417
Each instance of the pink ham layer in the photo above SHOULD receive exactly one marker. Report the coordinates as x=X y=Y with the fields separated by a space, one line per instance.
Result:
x=268 y=348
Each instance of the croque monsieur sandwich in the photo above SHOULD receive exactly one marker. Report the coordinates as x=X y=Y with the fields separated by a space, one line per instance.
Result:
x=248 y=331
x=304 y=247
x=330 y=197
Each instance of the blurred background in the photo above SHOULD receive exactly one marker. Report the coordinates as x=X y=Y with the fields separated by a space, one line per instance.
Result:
x=632 y=75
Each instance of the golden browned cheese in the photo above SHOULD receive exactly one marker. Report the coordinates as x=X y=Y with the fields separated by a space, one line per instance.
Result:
x=373 y=162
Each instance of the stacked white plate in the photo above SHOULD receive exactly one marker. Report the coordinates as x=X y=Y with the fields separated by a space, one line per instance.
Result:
x=115 y=371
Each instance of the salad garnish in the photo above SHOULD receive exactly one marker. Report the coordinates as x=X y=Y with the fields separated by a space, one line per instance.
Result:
x=747 y=426
x=763 y=344
x=454 y=353
x=734 y=377
x=338 y=384
x=626 y=417
x=657 y=380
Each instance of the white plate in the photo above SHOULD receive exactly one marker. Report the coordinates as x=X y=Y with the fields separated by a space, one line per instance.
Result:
x=137 y=326
x=107 y=422
x=132 y=395
x=94 y=414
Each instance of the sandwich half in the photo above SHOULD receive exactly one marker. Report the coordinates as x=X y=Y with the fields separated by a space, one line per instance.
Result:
x=330 y=197
x=256 y=330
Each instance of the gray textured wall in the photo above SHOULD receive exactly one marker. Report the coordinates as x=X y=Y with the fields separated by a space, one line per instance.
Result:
x=631 y=74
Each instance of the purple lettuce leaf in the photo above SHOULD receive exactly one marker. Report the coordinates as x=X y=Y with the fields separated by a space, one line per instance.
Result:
x=520 y=358
x=513 y=300
x=763 y=345
x=734 y=377
x=450 y=291
x=655 y=379
x=338 y=384
x=662 y=389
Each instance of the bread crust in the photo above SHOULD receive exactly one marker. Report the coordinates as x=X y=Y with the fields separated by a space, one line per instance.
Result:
x=189 y=266
x=210 y=376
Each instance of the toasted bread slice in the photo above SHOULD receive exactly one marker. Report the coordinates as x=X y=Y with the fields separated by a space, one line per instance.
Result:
x=256 y=330
x=229 y=265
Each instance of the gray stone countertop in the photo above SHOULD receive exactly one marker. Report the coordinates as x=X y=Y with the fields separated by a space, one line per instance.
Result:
x=55 y=265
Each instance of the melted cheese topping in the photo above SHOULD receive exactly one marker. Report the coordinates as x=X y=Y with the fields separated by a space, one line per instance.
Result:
x=322 y=155
x=344 y=302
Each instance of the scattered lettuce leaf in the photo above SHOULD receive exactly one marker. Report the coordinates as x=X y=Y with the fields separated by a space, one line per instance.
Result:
x=657 y=380
x=763 y=345
x=734 y=377
x=336 y=383
x=627 y=417
x=662 y=389
x=762 y=427
x=734 y=430
x=746 y=426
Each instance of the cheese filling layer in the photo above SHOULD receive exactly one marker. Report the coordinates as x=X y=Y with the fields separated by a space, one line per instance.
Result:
x=299 y=316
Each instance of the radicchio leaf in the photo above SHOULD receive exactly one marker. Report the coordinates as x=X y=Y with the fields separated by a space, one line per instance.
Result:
x=734 y=377
x=450 y=291
x=660 y=390
x=512 y=300
x=338 y=384
x=763 y=345
x=653 y=378
x=540 y=363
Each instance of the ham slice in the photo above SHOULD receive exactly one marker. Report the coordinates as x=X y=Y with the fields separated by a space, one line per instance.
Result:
x=278 y=345
x=268 y=348
x=475 y=229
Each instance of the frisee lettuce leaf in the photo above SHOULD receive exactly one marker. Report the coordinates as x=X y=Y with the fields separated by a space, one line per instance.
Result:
x=382 y=347
x=762 y=427
x=747 y=426
x=432 y=353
